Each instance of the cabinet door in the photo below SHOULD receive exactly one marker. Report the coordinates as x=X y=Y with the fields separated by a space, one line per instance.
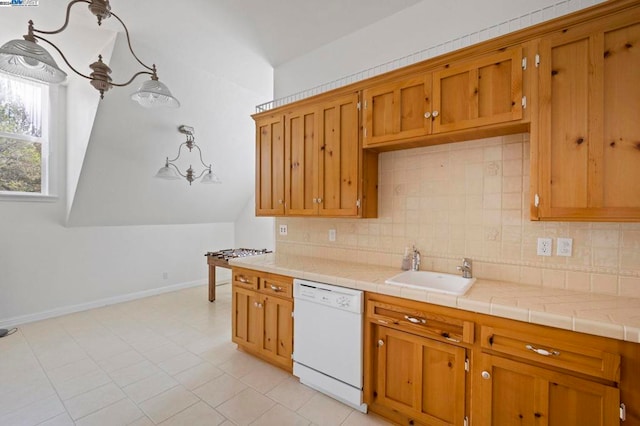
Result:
x=517 y=393
x=396 y=110
x=301 y=170
x=478 y=93
x=339 y=157
x=588 y=145
x=278 y=330
x=246 y=327
x=270 y=164
x=418 y=377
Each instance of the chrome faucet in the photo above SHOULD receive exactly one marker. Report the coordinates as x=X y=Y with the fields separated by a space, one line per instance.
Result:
x=415 y=261
x=466 y=268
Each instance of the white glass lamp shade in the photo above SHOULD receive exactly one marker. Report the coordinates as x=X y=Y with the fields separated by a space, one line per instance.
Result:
x=168 y=173
x=154 y=94
x=27 y=59
x=209 y=178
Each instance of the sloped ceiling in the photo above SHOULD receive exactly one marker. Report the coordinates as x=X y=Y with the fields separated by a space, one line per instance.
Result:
x=217 y=57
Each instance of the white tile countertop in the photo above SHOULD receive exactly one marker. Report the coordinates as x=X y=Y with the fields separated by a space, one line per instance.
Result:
x=602 y=315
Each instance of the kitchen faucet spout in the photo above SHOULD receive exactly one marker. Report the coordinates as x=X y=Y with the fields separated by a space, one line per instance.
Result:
x=415 y=261
x=466 y=268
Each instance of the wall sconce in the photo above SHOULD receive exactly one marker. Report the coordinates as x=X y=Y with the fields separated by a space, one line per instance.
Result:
x=167 y=172
x=25 y=58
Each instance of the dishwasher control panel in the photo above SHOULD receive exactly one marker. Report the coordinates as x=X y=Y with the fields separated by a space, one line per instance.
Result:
x=337 y=297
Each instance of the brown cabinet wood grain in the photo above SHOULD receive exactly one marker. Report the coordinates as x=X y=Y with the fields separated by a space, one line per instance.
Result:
x=261 y=315
x=587 y=148
x=270 y=165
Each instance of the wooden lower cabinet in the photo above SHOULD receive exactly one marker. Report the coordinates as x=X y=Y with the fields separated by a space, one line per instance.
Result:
x=261 y=315
x=516 y=393
x=419 y=377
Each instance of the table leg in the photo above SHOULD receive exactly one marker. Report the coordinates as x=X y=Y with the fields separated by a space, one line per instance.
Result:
x=212 y=283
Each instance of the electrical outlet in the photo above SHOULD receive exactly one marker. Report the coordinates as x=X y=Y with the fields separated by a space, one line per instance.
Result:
x=283 y=229
x=332 y=234
x=564 y=247
x=544 y=246
x=165 y=275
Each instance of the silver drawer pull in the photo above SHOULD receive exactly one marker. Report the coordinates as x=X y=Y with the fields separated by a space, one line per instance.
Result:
x=543 y=352
x=243 y=280
x=415 y=320
x=275 y=288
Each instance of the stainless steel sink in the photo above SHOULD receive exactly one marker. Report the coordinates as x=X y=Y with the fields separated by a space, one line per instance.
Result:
x=433 y=281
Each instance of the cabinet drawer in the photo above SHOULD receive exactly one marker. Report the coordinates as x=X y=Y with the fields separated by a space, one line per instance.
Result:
x=556 y=348
x=246 y=278
x=277 y=285
x=427 y=324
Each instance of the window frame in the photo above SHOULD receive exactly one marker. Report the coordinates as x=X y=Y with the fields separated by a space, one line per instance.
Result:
x=48 y=186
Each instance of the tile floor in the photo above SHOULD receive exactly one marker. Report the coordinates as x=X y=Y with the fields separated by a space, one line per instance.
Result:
x=166 y=360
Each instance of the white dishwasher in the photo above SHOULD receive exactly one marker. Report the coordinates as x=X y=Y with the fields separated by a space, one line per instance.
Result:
x=327 y=340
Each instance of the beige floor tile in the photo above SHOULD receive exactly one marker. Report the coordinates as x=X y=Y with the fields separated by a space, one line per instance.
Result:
x=324 y=411
x=279 y=415
x=120 y=361
x=180 y=363
x=143 y=421
x=161 y=407
x=93 y=401
x=220 y=354
x=34 y=413
x=264 y=377
x=122 y=412
x=356 y=418
x=72 y=370
x=198 y=375
x=240 y=364
x=61 y=420
x=291 y=393
x=81 y=384
x=61 y=355
x=23 y=394
x=199 y=414
x=220 y=389
x=134 y=373
x=149 y=387
x=163 y=353
x=245 y=407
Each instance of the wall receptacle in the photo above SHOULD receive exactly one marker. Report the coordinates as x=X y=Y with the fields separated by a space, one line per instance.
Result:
x=564 y=247
x=283 y=229
x=544 y=246
x=332 y=234
x=165 y=275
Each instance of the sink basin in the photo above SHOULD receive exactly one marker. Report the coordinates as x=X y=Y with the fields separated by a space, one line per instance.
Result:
x=433 y=281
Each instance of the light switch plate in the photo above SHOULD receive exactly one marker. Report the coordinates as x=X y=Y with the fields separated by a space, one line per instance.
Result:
x=332 y=234
x=283 y=229
x=564 y=247
x=544 y=246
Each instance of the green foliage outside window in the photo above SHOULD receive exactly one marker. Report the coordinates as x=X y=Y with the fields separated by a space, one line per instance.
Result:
x=20 y=160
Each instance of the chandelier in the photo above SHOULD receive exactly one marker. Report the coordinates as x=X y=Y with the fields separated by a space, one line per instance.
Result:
x=25 y=58
x=171 y=171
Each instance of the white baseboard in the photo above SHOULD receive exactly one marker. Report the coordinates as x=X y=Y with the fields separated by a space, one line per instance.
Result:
x=24 y=319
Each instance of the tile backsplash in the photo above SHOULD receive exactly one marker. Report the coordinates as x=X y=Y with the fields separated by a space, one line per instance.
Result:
x=471 y=199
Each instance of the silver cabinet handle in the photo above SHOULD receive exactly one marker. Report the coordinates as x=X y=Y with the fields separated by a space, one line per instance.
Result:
x=427 y=114
x=243 y=280
x=315 y=201
x=543 y=352
x=380 y=342
x=486 y=375
x=275 y=288
x=280 y=201
x=319 y=200
x=415 y=320
x=435 y=114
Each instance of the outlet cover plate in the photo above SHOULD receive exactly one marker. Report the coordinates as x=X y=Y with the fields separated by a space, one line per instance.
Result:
x=332 y=234
x=283 y=229
x=544 y=246
x=564 y=247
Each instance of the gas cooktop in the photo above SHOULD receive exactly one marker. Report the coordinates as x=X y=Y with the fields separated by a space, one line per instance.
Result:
x=227 y=254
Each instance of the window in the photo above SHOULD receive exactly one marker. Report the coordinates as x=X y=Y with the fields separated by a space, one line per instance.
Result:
x=24 y=137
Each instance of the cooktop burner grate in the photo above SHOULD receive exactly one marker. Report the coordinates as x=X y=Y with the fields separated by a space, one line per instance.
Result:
x=227 y=254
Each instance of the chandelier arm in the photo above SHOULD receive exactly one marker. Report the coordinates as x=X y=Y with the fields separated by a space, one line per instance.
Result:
x=66 y=21
x=179 y=150
x=132 y=78
x=201 y=160
x=62 y=54
x=201 y=173
x=177 y=169
x=126 y=31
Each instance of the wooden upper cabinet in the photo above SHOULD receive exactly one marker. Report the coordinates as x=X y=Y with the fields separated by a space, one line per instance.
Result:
x=484 y=91
x=587 y=149
x=301 y=159
x=270 y=166
x=396 y=110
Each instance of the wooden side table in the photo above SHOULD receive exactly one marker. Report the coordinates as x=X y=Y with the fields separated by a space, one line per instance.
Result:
x=213 y=261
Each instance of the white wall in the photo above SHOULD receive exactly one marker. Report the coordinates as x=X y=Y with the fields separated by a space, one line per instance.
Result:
x=425 y=25
x=252 y=231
